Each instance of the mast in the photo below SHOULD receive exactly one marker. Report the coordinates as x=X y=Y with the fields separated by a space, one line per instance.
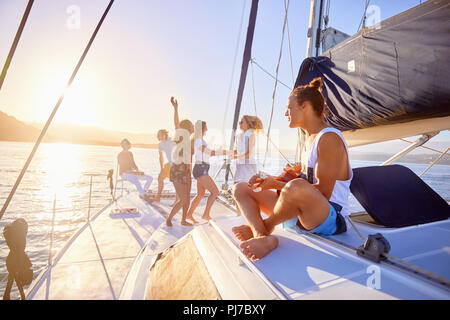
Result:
x=245 y=61
x=314 y=28
x=312 y=50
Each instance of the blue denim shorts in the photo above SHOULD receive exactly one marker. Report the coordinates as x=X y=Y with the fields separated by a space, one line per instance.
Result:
x=333 y=224
x=200 y=170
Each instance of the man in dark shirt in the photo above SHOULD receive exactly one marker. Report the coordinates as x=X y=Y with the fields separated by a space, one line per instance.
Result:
x=128 y=170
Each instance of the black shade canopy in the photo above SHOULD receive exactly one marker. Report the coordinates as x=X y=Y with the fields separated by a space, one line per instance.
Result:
x=393 y=72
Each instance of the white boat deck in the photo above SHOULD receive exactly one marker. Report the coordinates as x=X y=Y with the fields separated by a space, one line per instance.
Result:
x=425 y=246
x=304 y=267
x=112 y=256
x=96 y=262
x=233 y=279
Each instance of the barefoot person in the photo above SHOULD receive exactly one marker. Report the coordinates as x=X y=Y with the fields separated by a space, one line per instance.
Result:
x=180 y=170
x=128 y=170
x=318 y=199
x=245 y=149
x=165 y=147
x=201 y=172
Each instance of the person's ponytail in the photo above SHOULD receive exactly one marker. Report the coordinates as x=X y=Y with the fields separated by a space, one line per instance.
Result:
x=312 y=92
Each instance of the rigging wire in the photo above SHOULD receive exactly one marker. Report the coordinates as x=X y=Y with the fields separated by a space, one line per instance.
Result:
x=289 y=45
x=55 y=109
x=269 y=74
x=275 y=85
x=293 y=82
x=244 y=70
x=299 y=133
x=270 y=140
x=363 y=19
x=253 y=86
x=279 y=151
x=15 y=42
x=326 y=17
x=227 y=103
x=422 y=146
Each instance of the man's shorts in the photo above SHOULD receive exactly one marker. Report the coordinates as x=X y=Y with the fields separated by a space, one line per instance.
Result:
x=333 y=224
x=165 y=172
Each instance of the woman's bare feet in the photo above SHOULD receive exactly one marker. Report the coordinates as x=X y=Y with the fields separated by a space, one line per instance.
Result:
x=259 y=247
x=243 y=232
x=185 y=223
x=206 y=217
x=168 y=223
x=192 y=219
x=146 y=198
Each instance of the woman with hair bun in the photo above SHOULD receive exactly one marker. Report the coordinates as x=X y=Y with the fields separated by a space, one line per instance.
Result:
x=317 y=199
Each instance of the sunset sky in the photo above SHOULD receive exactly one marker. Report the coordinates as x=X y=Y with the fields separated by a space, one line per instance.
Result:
x=149 y=50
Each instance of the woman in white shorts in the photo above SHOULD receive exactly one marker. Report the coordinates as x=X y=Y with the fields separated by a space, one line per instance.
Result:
x=245 y=149
x=245 y=144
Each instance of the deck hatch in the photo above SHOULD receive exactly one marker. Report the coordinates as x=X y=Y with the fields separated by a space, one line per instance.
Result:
x=179 y=273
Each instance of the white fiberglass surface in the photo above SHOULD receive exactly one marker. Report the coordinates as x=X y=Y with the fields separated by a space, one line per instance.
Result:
x=426 y=246
x=95 y=263
x=304 y=267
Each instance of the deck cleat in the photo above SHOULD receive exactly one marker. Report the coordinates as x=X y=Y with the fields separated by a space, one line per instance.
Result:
x=375 y=248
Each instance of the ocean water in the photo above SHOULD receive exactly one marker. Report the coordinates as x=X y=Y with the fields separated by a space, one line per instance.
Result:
x=61 y=171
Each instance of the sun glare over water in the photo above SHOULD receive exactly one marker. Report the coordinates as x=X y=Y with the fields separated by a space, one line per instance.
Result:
x=63 y=167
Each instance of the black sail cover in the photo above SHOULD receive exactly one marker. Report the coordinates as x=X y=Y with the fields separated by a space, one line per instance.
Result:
x=393 y=72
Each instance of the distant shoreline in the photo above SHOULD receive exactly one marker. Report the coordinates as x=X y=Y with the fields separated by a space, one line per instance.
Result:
x=14 y=130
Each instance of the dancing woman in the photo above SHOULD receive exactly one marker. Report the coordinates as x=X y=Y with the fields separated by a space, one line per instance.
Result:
x=201 y=172
x=180 y=170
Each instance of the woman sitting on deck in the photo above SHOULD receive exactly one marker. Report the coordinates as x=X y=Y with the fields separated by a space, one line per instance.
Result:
x=317 y=198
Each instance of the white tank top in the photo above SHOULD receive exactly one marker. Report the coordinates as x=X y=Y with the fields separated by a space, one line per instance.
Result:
x=243 y=145
x=201 y=156
x=341 y=190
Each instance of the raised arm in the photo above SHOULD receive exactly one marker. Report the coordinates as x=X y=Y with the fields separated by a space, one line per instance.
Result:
x=176 y=119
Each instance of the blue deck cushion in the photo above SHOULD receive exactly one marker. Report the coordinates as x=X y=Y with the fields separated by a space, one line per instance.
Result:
x=395 y=196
